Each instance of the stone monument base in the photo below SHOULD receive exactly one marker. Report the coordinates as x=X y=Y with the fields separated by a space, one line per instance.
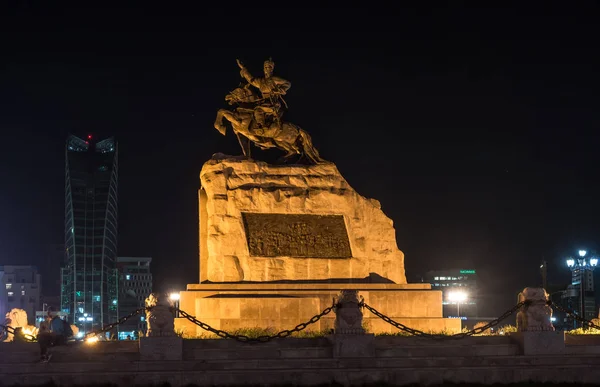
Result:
x=540 y=342
x=280 y=306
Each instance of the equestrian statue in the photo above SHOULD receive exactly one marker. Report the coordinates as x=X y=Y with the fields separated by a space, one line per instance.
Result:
x=257 y=117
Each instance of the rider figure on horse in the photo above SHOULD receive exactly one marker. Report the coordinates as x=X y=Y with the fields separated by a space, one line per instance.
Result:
x=268 y=108
x=257 y=117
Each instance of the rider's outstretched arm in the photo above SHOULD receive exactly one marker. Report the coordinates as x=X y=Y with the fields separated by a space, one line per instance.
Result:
x=248 y=77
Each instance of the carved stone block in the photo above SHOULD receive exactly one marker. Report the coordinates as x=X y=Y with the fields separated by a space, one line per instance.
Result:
x=352 y=345
x=296 y=235
x=161 y=348
x=540 y=342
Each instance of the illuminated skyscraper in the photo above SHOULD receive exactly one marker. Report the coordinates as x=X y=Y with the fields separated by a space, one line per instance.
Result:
x=89 y=291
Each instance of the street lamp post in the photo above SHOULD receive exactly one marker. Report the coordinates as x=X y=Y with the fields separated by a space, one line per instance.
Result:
x=581 y=265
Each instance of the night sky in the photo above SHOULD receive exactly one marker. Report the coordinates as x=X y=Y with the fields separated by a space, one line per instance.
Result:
x=476 y=128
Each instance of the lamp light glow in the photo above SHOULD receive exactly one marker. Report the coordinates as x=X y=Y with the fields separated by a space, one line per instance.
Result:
x=457 y=296
x=570 y=262
x=582 y=253
x=92 y=340
x=594 y=261
x=174 y=296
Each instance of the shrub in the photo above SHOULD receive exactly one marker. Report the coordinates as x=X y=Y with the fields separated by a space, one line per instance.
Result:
x=507 y=329
x=486 y=332
x=581 y=331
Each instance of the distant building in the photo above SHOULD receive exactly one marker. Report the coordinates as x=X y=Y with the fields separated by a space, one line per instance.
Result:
x=451 y=282
x=20 y=288
x=135 y=281
x=55 y=258
x=89 y=278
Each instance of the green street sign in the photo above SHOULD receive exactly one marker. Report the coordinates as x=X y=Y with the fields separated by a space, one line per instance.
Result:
x=467 y=272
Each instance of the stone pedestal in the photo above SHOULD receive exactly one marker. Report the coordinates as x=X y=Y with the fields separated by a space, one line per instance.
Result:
x=279 y=242
x=261 y=222
x=540 y=342
x=352 y=345
x=161 y=348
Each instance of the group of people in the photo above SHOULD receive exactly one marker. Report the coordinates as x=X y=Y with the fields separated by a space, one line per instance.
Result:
x=53 y=331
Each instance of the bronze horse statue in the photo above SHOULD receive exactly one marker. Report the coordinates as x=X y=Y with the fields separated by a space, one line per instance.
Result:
x=277 y=134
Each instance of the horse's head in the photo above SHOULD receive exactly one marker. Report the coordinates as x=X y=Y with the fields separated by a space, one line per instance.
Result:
x=241 y=95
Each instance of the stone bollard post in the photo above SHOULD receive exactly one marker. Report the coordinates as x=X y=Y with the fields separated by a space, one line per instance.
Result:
x=161 y=342
x=535 y=332
x=349 y=338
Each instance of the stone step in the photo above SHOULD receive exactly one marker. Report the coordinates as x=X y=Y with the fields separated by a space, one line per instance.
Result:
x=499 y=362
x=356 y=373
x=326 y=352
x=257 y=352
x=449 y=350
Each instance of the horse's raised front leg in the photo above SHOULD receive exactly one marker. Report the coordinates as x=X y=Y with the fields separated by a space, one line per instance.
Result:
x=219 y=122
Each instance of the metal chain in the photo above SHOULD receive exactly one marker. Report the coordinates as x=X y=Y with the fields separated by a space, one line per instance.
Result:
x=461 y=335
x=106 y=328
x=260 y=339
x=574 y=315
x=8 y=329
x=109 y=327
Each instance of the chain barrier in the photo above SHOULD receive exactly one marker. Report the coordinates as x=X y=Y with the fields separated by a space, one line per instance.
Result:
x=7 y=329
x=314 y=319
x=461 y=335
x=574 y=315
x=260 y=339
x=120 y=321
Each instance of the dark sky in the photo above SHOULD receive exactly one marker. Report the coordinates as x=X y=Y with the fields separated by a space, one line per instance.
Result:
x=476 y=128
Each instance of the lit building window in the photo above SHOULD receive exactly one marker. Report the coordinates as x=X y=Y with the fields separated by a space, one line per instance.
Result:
x=8 y=286
x=10 y=294
x=127 y=277
x=22 y=292
x=436 y=278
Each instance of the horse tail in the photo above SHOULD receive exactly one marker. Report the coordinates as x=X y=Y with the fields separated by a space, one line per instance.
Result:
x=308 y=148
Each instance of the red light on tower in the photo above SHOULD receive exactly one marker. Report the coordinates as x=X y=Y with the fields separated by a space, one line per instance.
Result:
x=89 y=136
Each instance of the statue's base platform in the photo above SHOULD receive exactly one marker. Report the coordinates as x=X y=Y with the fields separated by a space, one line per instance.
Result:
x=279 y=306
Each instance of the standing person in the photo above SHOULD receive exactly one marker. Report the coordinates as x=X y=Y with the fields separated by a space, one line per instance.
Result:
x=44 y=338
x=68 y=331
x=57 y=327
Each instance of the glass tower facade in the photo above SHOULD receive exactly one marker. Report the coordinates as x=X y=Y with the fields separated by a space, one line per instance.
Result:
x=89 y=291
